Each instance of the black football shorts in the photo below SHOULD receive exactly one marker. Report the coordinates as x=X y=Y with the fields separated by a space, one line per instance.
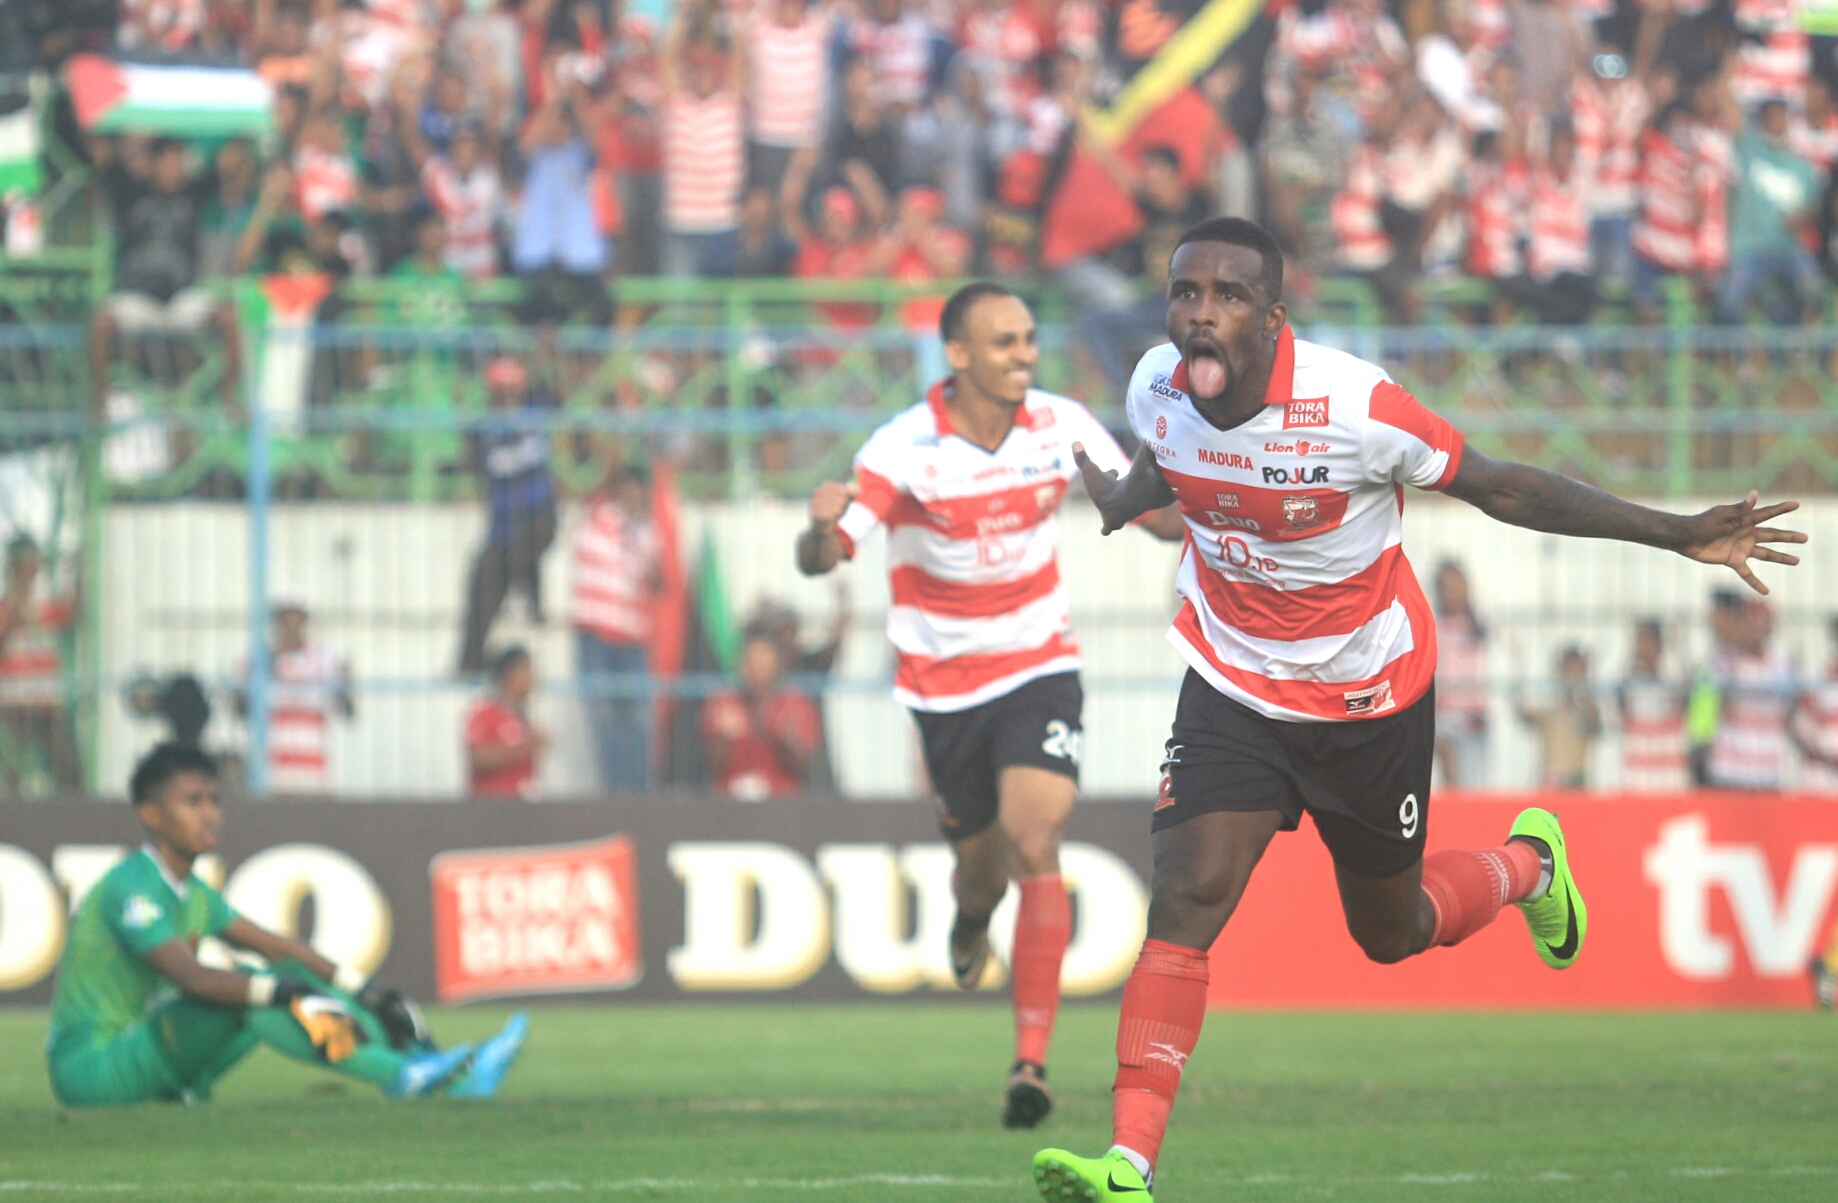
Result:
x=966 y=750
x=1365 y=783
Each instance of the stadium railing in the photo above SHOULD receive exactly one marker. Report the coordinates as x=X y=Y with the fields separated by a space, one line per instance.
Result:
x=754 y=391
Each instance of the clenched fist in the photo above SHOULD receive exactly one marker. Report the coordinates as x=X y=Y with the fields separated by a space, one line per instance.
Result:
x=829 y=502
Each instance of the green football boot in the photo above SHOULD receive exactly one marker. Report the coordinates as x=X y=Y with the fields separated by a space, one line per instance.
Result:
x=1065 y=1178
x=1559 y=920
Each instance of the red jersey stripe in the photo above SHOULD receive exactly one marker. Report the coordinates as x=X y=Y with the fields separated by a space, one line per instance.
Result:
x=928 y=677
x=1341 y=608
x=954 y=599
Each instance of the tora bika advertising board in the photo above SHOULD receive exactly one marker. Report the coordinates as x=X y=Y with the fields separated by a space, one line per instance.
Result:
x=1695 y=900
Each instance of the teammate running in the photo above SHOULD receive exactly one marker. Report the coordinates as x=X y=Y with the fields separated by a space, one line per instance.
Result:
x=968 y=484
x=1311 y=652
x=136 y=1017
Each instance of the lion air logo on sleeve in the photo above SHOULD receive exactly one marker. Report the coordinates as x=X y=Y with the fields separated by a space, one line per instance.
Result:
x=1304 y=411
x=1161 y=426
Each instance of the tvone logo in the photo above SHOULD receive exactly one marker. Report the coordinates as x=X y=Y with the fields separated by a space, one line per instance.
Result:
x=759 y=916
x=352 y=918
x=1778 y=936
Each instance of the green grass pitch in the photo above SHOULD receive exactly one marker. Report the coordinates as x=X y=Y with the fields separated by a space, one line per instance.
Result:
x=899 y=1103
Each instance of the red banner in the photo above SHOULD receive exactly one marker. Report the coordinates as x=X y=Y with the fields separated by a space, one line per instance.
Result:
x=559 y=919
x=1694 y=900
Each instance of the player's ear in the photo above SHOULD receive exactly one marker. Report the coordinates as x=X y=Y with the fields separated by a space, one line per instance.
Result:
x=1274 y=319
x=957 y=355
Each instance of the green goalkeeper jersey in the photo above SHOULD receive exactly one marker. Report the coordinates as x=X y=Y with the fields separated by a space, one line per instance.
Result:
x=104 y=983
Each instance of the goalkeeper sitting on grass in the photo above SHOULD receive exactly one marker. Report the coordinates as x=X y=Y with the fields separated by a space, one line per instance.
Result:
x=137 y=1017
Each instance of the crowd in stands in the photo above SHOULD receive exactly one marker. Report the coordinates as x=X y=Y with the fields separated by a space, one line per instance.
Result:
x=1738 y=720
x=1557 y=149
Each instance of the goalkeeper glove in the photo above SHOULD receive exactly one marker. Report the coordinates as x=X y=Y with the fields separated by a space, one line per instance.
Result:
x=403 y=1025
x=328 y=1023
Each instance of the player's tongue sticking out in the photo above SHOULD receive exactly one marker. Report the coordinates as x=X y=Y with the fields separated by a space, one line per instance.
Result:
x=1205 y=372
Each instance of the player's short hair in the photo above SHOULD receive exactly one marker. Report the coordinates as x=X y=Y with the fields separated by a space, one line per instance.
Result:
x=166 y=761
x=1239 y=231
x=508 y=659
x=957 y=309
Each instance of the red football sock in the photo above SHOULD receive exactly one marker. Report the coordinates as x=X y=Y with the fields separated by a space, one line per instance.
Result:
x=1164 y=1004
x=1467 y=889
x=1043 y=928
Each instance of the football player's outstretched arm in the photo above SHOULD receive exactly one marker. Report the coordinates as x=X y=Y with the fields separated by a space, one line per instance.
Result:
x=819 y=547
x=1123 y=499
x=1542 y=500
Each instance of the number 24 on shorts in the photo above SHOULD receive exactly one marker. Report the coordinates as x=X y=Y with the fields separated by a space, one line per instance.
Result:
x=1062 y=742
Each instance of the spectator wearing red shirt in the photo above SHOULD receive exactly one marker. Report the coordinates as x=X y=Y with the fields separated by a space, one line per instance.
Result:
x=502 y=745
x=835 y=250
x=761 y=740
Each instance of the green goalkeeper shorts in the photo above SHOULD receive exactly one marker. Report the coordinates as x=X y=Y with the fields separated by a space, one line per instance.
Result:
x=178 y=1048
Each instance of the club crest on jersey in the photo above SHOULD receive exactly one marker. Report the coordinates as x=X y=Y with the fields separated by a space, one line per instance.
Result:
x=1161 y=426
x=1046 y=497
x=1301 y=511
x=1375 y=700
x=1304 y=411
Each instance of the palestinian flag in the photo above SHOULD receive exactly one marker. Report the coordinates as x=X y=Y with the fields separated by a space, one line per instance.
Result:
x=1159 y=48
x=179 y=102
x=19 y=152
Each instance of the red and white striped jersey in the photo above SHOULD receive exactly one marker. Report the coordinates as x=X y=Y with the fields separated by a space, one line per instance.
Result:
x=1003 y=44
x=1816 y=724
x=1758 y=697
x=1716 y=169
x=1297 y=599
x=470 y=204
x=1653 y=756
x=790 y=75
x=616 y=561
x=901 y=52
x=1496 y=207
x=1461 y=671
x=1666 y=231
x=303 y=691
x=1608 y=119
x=1559 y=226
x=1774 y=60
x=1360 y=241
x=705 y=162
x=323 y=182
x=973 y=546
x=1816 y=143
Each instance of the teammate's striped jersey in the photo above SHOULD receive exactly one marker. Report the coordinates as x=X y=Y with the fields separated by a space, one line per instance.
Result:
x=973 y=546
x=1298 y=601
